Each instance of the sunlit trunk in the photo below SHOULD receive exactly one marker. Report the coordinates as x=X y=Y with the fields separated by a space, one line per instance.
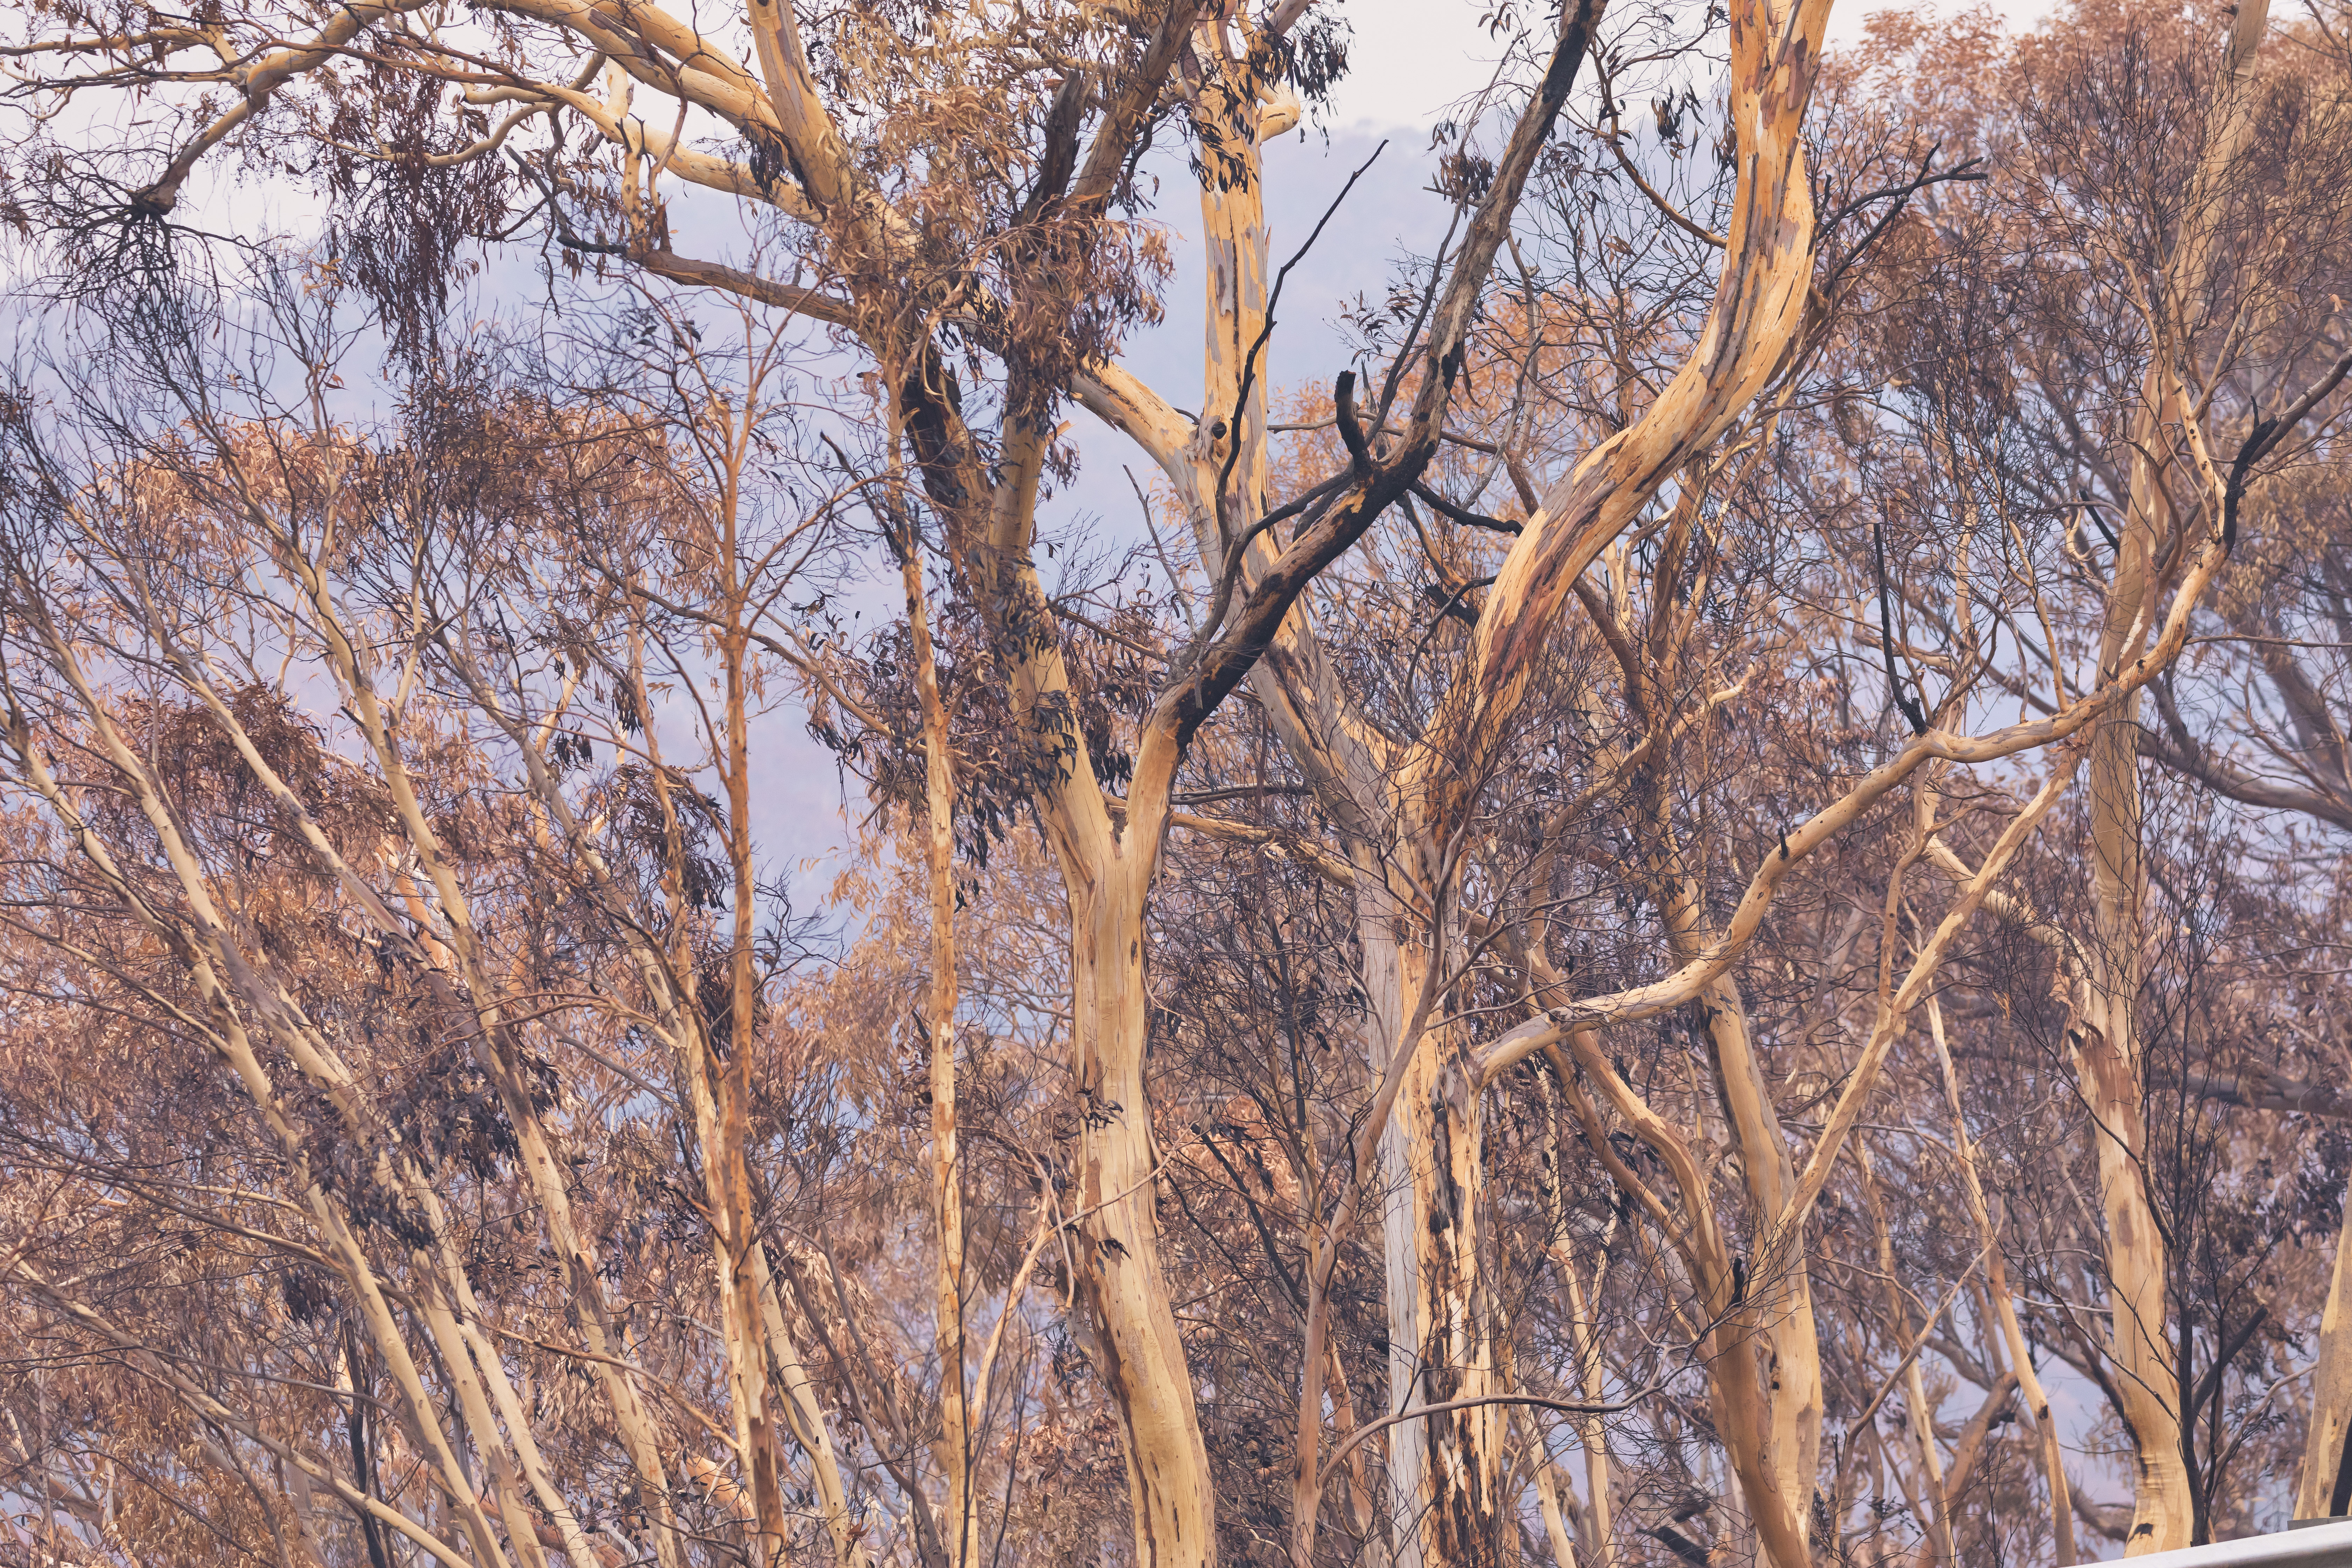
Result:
x=746 y=1329
x=1767 y=1388
x=2325 y=1489
x=1388 y=999
x=1139 y=1354
x=1457 y=1500
x=1766 y=1384
x=1445 y=1471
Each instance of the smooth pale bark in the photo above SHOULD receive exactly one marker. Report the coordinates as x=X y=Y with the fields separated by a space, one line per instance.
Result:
x=959 y=1519
x=1107 y=864
x=1766 y=1384
x=1765 y=1381
x=1754 y=324
x=2107 y=1057
x=1443 y=1472
x=1767 y=1387
x=1382 y=946
x=2106 y=1045
x=1107 y=860
x=1343 y=755
x=2325 y=1487
x=1654 y=999
x=1140 y=1354
x=1359 y=1488
x=1758 y=310
x=745 y=1328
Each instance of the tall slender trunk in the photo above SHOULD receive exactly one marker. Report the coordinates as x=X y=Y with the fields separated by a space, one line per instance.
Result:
x=1458 y=1500
x=2106 y=1045
x=959 y=1519
x=746 y=1329
x=1107 y=858
x=1767 y=1394
x=1445 y=1471
x=2106 y=1041
x=1388 y=994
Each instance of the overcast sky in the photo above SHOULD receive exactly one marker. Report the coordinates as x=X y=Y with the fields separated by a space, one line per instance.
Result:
x=1410 y=59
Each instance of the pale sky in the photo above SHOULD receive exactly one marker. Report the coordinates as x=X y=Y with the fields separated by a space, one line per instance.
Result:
x=1410 y=59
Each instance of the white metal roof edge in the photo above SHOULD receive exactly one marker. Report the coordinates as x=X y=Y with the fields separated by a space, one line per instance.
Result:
x=2315 y=1546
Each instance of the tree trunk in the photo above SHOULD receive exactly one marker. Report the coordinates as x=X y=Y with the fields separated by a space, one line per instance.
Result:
x=2326 y=1489
x=1768 y=1401
x=1445 y=1471
x=746 y=1330
x=1459 y=1504
x=1388 y=999
x=1139 y=1353
x=959 y=1518
x=2106 y=1045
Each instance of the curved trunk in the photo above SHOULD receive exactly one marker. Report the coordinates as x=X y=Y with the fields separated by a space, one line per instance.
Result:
x=1139 y=1353
x=1766 y=1386
x=2104 y=1040
x=2107 y=1061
